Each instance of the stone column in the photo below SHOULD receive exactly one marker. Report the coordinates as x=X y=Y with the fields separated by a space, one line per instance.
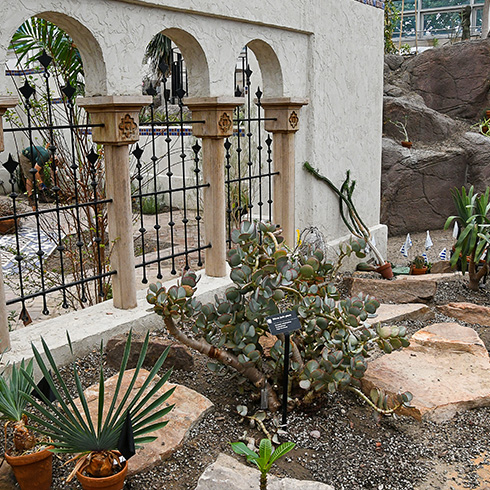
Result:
x=120 y=116
x=6 y=102
x=284 y=115
x=217 y=112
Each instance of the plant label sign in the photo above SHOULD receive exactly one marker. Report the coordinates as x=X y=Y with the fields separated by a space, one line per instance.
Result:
x=285 y=323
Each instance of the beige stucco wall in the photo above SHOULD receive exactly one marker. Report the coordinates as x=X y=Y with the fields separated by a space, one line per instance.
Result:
x=328 y=51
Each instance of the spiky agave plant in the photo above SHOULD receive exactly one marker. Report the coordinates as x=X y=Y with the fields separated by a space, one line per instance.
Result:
x=95 y=441
x=13 y=405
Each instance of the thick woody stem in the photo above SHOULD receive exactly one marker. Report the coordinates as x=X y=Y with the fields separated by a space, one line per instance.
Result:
x=249 y=372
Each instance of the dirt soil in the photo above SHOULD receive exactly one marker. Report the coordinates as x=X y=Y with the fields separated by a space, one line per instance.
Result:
x=338 y=442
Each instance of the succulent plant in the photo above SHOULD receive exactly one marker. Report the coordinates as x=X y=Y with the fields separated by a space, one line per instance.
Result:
x=328 y=353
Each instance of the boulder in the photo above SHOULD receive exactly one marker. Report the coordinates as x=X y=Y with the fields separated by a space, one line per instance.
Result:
x=416 y=184
x=179 y=357
x=452 y=79
x=446 y=368
x=441 y=267
x=394 y=61
x=423 y=124
x=395 y=313
x=468 y=312
x=227 y=473
x=404 y=289
x=7 y=478
x=189 y=408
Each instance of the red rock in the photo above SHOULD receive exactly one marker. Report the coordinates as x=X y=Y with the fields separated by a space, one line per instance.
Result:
x=467 y=312
x=446 y=368
x=179 y=356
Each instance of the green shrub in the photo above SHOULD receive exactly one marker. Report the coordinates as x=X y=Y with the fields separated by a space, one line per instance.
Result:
x=328 y=353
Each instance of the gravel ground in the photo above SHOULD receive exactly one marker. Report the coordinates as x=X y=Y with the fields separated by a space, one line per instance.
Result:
x=338 y=442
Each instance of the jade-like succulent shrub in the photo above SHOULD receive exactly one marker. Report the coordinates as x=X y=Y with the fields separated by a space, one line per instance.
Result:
x=329 y=353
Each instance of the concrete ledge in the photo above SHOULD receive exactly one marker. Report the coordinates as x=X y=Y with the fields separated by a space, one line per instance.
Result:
x=88 y=327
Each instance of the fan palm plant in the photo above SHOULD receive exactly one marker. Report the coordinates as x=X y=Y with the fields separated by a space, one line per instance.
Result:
x=95 y=442
x=36 y=35
x=13 y=405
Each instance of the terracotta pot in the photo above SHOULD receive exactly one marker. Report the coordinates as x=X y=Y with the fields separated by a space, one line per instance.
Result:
x=417 y=272
x=385 y=270
x=407 y=144
x=114 y=482
x=33 y=471
x=7 y=226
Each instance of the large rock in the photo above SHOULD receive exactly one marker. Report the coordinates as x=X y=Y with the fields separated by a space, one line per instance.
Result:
x=446 y=368
x=178 y=357
x=189 y=408
x=395 y=313
x=423 y=124
x=226 y=473
x=452 y=79
x=7 y=478
x=467 y=312
x=416 y=184
x=404 y=289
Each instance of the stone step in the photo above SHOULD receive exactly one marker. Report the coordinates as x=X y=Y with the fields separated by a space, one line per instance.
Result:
x=410 y=311
x=226 y=473
x=446 y=368
x=403 y=289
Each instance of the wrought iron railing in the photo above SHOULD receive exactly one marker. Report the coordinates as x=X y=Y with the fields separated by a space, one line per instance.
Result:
x=172 y=178
x=72 y=225
x=249 y=166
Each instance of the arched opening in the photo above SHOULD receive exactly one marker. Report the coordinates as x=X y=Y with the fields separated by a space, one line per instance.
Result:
x=55 y=174
x=94 y=68
x=270 y=68
x=167 y=180
x=249 y=160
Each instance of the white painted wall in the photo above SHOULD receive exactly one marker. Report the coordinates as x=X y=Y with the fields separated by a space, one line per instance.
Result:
x=330 y=52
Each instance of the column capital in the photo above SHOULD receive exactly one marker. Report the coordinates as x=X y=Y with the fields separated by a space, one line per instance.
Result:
x=283 y=113
x=118 y=113
x=217 y=114
x=6 y=102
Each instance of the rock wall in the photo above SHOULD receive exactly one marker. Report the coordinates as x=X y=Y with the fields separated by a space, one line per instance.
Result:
x=440 y=94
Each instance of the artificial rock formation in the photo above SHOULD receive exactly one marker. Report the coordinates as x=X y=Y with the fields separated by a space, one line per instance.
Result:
x=430 y=90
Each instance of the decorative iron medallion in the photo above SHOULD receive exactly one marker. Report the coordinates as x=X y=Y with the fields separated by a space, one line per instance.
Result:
x=225 y=123
x=293 y=120
x=128 y=127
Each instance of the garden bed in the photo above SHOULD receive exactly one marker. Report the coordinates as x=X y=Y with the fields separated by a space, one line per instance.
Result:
x=338 y=441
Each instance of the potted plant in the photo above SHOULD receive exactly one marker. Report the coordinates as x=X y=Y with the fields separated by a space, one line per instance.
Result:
x=29 y=457
x=418 y=266
x=402 y=128
x=99 y=440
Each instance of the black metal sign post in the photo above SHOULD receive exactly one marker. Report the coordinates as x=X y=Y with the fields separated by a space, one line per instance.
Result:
x=284 y=323
x=285 y=380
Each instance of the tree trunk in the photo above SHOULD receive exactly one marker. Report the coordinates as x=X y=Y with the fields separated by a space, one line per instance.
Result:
x=250 y=372
x=263 y=481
